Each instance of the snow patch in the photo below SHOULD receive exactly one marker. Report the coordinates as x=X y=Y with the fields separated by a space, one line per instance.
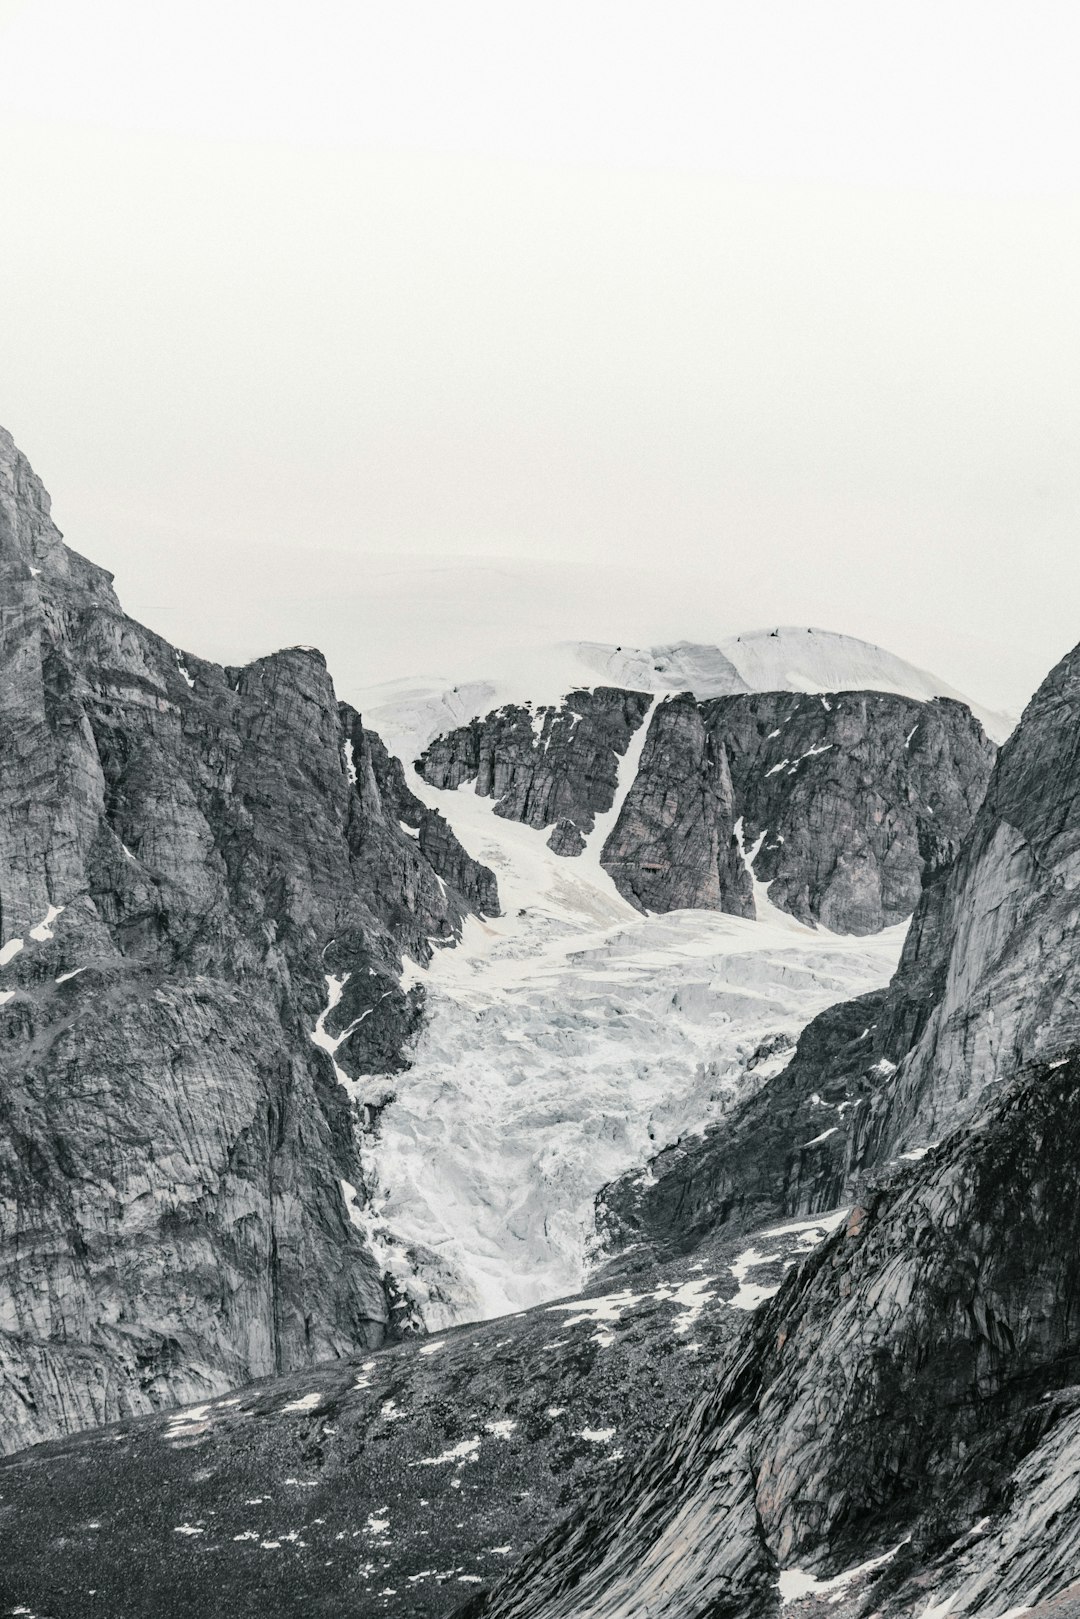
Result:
x=306 y=1402
x=794 y=1584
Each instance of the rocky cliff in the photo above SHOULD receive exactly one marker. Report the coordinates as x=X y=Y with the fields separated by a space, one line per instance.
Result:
x=548 y=766
x=837 y=802
x=205 y=889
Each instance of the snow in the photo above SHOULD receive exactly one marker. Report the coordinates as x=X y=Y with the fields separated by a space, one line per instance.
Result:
x=566 y=1042
x=306 y=1402
x=74 y=973
x=824 y=1136
x=44 y=929
x=183 y=670
x=10 y=951
x=467 y=1450
x=350 y=763
x=794 y=1584
x=597 y=1436
x=409 y=713
x=751 y=1294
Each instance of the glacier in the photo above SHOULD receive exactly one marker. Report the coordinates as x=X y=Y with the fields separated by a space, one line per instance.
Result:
x=565 y=1043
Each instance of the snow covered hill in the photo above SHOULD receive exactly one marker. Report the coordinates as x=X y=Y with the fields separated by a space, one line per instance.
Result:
x=408 y=714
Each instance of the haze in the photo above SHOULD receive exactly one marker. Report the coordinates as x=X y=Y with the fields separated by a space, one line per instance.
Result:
x=411 y=329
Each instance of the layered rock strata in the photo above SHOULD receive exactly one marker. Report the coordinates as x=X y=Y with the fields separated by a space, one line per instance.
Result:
x=200 y=873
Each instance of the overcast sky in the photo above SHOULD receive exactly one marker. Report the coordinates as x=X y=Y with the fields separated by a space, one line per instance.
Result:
x=683 y=317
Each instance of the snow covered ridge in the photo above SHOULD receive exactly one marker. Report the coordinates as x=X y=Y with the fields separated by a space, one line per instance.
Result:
x=408 y=714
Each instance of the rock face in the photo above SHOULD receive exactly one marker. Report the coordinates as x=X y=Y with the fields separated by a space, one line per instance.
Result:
x=838 y=803
x=842 y=801
x=200 y=873
x=550 y=766
x=674 y=846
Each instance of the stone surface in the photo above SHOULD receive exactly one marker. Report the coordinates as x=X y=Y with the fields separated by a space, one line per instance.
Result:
x=840 y=802
x=186 y=853
x=549 y=766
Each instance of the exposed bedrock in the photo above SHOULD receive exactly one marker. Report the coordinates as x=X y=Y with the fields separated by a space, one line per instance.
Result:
x=842 y=800
x=187 y=855
x=549 y=766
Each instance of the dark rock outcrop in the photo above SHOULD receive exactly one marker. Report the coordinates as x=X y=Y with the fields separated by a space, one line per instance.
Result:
x=841 y=802
x=190 y=858
x=674 y=843
x=549 y=766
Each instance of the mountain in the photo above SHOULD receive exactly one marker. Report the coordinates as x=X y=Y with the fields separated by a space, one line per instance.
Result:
x=540 y=1108
x=203 y=881
x=897 y=1433
x=409 y=713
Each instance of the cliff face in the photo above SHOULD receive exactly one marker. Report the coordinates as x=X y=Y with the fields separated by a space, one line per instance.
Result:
x=556 y=767
x=194 y=863
x=839 y=803
x=842 y=800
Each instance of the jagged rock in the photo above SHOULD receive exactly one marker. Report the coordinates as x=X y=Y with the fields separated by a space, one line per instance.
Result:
x=674 y=845
x=842 y=800
x=566 y=839
x=546 y=767
x=186 y=852
x=838 y=802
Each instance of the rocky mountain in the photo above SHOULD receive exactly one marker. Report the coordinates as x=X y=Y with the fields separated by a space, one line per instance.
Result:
x=841 y=800
x=602 y=1018
x=205 y=889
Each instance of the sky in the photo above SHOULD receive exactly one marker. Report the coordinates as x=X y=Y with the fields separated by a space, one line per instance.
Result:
x=411 y=329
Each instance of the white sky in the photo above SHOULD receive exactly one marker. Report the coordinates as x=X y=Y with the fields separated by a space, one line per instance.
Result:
x=681 y=317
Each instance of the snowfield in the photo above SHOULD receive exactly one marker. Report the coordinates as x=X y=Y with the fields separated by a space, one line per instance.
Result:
x=408 y=714
x=566 y=1042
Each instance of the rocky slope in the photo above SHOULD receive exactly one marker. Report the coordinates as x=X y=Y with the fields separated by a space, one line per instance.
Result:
x=203 y=880
x=393 y=1486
